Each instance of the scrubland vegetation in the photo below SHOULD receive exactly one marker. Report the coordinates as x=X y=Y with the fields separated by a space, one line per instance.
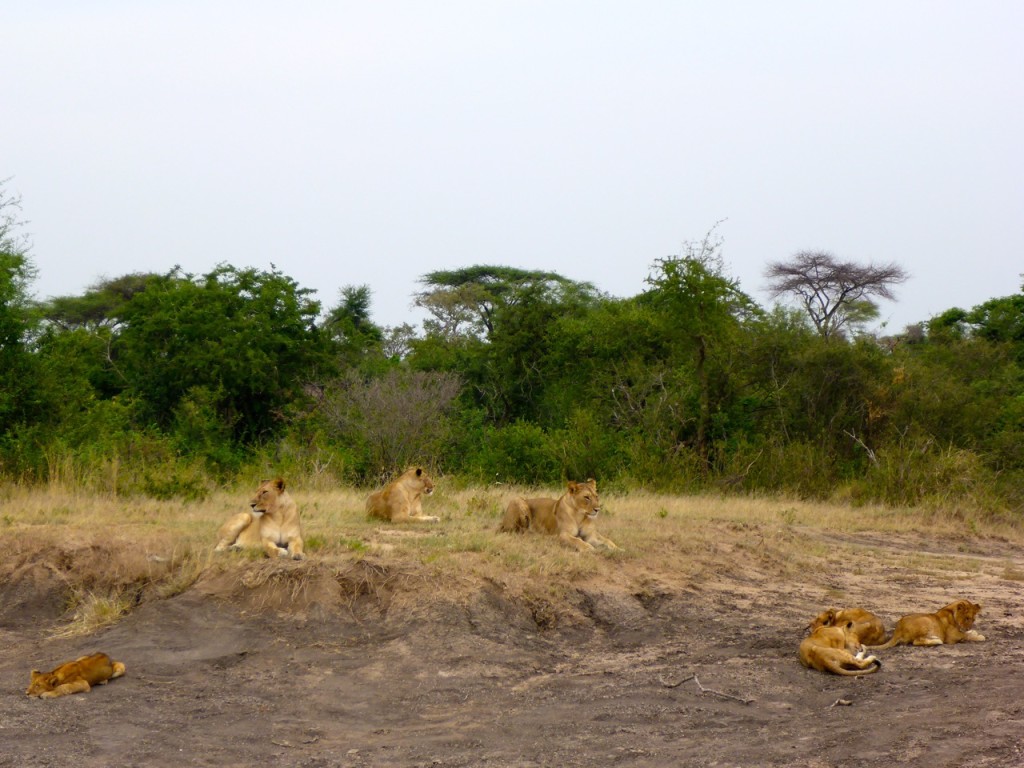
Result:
x=174 y=386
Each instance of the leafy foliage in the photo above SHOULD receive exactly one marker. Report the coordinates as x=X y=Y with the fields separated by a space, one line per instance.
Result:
x=167 y=384
x=244 y=342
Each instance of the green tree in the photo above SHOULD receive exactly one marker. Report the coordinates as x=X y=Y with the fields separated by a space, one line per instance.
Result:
x=239 y=343
x=350 y=327
x=703 y=309
x=1000 y=320
x=18 y=319
x=468 y=301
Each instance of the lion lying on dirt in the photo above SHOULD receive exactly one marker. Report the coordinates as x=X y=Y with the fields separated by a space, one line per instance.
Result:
x=273 y=524
x=570 y=517
x=866 y=626
x=836 y=649
x=951 y=624
x=401 y=500
x=76 y=676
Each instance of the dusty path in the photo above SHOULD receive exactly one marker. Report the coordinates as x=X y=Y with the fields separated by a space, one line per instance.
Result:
x=220 y=676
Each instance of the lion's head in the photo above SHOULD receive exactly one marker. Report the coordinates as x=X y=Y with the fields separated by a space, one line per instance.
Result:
x=852 y=639
x=416 y=479
x=41 y=682
x=964 y=614
x=584 y=497
x=267 y=496
x=824 y=619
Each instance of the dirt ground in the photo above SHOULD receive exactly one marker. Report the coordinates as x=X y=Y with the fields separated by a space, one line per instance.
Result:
x=359 y=663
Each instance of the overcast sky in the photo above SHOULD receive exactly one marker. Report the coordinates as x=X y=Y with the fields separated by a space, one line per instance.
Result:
x=370 y=142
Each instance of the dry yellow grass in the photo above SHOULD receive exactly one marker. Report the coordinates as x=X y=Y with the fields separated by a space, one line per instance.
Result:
x=162 y=547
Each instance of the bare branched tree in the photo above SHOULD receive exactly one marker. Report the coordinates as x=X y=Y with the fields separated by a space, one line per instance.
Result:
x=834 y=293
x=401 y=415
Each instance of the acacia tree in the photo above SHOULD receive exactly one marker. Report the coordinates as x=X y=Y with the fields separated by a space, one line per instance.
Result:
x=468 y=300
x=835 y=293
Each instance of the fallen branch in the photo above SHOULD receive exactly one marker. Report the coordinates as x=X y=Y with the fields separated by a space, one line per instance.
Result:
x=719 y=693
x=676 y=684
x=841 y=703
x=702 y=689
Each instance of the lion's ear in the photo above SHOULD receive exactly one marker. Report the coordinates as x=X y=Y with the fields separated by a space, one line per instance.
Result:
x=419 y=471
x=849 y=625
x=279 y=483
x=572 y=486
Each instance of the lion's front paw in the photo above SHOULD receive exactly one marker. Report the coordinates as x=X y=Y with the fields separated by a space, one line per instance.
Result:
x=298 y=556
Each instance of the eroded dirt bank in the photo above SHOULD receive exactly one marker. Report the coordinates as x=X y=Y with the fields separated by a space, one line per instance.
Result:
x=342 y=664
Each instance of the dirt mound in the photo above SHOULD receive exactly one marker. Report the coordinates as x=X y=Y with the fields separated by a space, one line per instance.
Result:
x=379 y=663
x=34 y=593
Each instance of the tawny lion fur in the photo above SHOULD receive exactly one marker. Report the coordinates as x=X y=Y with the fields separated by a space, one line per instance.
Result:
x=76 y=676
x=837 y=650
x=401 y=500
x=868 y=628
x=272 y=524
x=951 y=624
x=570 y=517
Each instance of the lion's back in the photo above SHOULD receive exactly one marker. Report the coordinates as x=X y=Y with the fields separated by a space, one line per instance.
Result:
x=377 y=503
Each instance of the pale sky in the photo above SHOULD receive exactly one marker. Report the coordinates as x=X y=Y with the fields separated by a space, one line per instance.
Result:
x=370 y=142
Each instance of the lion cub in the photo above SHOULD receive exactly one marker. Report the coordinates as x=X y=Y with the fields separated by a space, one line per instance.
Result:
x=570 y=517
x=401 y=500
x=837 y=650
x=951 y=624
x=273 y=524
x=76 y=676
x=866 y=626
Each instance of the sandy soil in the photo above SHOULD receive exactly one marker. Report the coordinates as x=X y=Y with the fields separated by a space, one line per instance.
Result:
x=365 y=664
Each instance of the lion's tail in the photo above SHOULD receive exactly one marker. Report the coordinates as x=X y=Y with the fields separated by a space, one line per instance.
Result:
x=890 y=643
x=877 y=665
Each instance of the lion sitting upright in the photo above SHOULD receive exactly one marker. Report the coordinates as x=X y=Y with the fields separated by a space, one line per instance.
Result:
x=76 y=676
x=273 y=524
x=570 y=517
x=836 y=649
x=951 y=624
x=401 y=500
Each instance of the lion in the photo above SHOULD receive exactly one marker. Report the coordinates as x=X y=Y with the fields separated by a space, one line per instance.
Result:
x=570 y=517
x=76 y=676
x=836 y=649
x=273 y=524
x=400 y=501
x=951 y=624
x=866 y=625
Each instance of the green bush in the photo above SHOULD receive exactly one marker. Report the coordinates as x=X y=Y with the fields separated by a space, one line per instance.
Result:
x=518 y=453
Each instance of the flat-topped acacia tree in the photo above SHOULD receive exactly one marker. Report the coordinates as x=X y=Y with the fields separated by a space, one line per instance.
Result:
x=834 y=293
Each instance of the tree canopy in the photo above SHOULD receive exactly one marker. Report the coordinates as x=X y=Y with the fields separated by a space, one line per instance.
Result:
x=834 y=293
